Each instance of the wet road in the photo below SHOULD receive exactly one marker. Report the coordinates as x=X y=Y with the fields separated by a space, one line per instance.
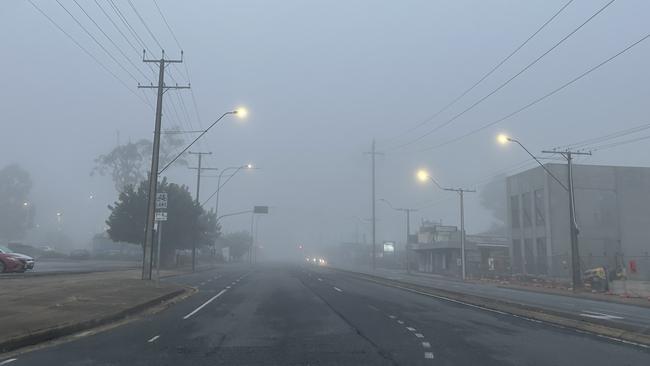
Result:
x=293 y=315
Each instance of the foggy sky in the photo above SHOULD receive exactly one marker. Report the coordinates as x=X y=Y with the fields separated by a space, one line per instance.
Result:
x=320 y=79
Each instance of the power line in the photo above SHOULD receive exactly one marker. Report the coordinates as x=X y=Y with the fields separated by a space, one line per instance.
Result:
x=128 y=25
x=111 y=40
x=554 y=91
x=609 y=136
x=135 y=49
x=452 y=119
x=167 y=24
x=618 y=143
x=93 y=57
x=145 y=24
x=96 y=41
x=490 y=72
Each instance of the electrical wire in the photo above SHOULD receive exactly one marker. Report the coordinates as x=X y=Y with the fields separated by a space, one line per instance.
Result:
x=93 y=57
x=504 y=84
x=145 y=24
x=96 y=41
x=534 y=102
x=167 y=24
x=486 y=75
x=119 y=49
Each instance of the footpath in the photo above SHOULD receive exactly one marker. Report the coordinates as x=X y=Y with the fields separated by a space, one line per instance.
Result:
x=622 y=318
x=41 y=308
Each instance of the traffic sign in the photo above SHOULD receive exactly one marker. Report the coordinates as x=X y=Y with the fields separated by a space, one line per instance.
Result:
x=161 y=216
x=261 y=209
x=161 y=201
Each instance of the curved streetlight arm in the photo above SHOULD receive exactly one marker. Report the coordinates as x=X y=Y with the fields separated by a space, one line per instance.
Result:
x=234 y=214
x=539 y=162
x=389 y=204
x=195 y=140
x=219 y=185
x=438 y=184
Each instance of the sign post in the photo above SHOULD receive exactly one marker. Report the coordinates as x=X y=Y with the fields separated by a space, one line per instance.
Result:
x=161 y=215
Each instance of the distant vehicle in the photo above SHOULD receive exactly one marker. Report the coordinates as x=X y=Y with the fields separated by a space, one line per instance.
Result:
x=14 y=262
x=80 y=254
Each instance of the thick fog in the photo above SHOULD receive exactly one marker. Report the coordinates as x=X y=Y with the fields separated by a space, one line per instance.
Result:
x=320 y=81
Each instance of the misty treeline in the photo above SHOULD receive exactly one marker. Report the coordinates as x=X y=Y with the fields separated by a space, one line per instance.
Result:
x=16 y=210
x=493 y=198
x=129 y=164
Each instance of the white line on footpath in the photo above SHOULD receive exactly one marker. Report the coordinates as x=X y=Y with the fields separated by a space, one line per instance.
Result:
x=205 y=304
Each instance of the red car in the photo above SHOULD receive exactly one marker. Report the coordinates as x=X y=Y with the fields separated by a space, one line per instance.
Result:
x=14 y=262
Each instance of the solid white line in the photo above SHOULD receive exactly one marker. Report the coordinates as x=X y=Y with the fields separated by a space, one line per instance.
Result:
x=338 y=289
x=205 y=304
x=428 y=355
x=411 y=329
x=153 y=339
x=426 y=344
x=419 y=335
x=8 y=361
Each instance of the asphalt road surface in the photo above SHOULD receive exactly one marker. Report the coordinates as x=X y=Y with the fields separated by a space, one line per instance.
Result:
x=293 y=315
x=610 y=312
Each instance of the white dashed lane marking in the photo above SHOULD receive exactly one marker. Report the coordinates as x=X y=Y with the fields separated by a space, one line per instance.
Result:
x=153 y=339
x=411 y=329
x=426 y=344
x=401 y=322
x=428 y=355
x=392 y=316
x=320 y=279
x=419 y=335
x=338 y=289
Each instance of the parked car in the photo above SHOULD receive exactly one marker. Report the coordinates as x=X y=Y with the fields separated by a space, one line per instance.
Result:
x=80 y=254
x=14 y=262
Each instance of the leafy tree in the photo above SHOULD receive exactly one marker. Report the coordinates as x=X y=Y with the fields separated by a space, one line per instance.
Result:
x=493 y=198
x=238 y=242
x=128 y=164
x=16 y=212
x=187 y=223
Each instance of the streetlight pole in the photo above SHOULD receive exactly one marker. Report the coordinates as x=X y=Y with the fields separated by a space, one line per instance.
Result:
x=422 y=175
x=408 y=230
x=576 y=275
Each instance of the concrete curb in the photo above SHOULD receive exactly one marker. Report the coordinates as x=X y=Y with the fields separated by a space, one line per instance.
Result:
x=621 y=332
x=68 y=329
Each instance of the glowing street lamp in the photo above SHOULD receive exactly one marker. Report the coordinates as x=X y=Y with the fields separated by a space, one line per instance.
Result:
x=423 y=176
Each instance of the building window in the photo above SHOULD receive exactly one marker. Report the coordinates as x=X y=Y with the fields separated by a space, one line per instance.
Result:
x=540 y=219
x=542 y=260
x=516 y=256
x=527 y=211
x=514 y=211
x=529 y=256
